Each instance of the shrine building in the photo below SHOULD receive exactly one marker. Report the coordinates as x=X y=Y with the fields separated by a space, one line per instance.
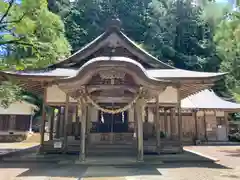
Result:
x=115 y=98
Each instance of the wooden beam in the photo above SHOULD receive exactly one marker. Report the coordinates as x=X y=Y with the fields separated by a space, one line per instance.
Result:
x=179 y=119
x=165 y=121
x=58 y=123
x=61 y=127
x=205 y=126
x=52 y=124
x=77 y=124
x=131 y=88
x=196 y=124
x=66 y=123
x=83 y=132
x=42 y=129
x=157 y=125
x=172 y=112
x=101 y=99
x=140 y=111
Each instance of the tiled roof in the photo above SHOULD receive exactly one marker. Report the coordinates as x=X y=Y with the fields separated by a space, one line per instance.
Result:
x=207 y=99
x=156 y=73
x=179 y=73
x=58 y=72
x=104 y=39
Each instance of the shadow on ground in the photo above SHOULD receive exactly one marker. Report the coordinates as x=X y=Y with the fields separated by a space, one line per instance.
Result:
x=83 y=171
x=54 y=169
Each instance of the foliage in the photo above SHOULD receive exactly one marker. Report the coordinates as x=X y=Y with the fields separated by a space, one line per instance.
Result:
x=31 y=37
x=9 y=93
x=37 y=101
x=60 y=7
x=171 y=29
x=227 y=38
x=178 y=32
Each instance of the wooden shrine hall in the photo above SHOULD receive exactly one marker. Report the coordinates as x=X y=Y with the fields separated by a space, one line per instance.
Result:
x=110 y=96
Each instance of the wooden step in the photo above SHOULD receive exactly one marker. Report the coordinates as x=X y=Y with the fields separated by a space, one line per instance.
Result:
x=111 y=149
x=111 y=146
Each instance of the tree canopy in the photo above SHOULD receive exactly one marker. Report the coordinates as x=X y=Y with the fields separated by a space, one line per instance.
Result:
x=30 y=37
x=177 y=32
x=195 y=35
x=173 y=31
x=227 y=38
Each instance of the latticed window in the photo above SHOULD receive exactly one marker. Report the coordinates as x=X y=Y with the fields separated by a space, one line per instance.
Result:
x=220 y=120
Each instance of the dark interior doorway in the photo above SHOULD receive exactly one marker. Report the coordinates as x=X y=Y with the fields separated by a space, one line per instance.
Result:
x=112 y=122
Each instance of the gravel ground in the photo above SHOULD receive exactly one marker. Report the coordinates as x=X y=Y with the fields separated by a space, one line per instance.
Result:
x=43 y=171
x=227 y=155
x=229 y=158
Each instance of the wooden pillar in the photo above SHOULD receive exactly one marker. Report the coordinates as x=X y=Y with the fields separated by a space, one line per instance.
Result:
x=131 y=119
x=135 y=126
x=135 y=123
x=172 y=111
x=165 y=122
x=89 y=119
x=179 y=119
x=65 y=140
x=226 y=121
x=74 y=120
x=196 y=124
x=83 y=131
x=157 y=125
x=140 y=116
x=42 y=129
x=205 y=126
x=77 y=123
x=58 y=123
x=61 y=123
x=52 y=124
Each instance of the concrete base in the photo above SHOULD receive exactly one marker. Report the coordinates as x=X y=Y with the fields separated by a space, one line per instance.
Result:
x=106 y=160
x=111 y=161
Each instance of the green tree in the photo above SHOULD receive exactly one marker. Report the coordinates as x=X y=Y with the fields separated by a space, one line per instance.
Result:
x=227 y=38
x=37 y=101
x=171 y=29
x=31 y=37
x=60 y=7
x=88 y=19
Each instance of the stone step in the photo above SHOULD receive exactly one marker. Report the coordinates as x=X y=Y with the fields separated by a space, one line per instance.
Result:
x=112 y=146
x=111 y=149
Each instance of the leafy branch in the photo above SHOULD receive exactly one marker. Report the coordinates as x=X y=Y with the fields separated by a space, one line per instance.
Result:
x=10 y=5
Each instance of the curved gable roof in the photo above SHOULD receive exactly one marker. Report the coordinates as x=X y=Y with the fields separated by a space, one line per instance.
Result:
x=103 y=39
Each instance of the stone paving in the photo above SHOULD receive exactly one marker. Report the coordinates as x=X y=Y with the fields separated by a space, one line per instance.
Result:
x=171 y=171
x=227 y=155
x=19 y=145
x=6 y=148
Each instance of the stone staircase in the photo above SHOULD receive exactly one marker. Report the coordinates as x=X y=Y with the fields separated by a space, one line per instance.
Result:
x=111 y=150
